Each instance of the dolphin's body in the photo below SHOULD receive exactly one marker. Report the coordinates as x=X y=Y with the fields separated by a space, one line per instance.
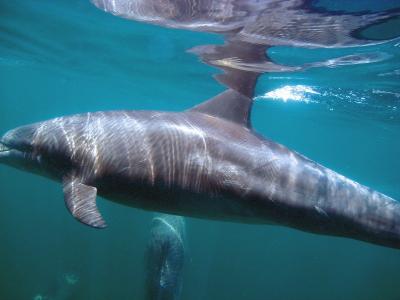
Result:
x=206 y=162
x=165 y=258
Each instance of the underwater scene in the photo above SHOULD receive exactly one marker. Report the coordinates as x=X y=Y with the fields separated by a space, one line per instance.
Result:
x=192 y=146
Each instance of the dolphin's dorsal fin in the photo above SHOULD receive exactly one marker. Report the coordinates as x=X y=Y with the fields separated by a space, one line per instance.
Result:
x=80 y=200
x=242 y=63
x=229 y=105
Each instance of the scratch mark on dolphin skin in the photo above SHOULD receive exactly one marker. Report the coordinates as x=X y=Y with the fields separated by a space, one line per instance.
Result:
x=38 y=134
x=52 y=136
x=199 y=158
x=70 y=141
x=128 y=150
x=321 y=211
x=93 y=141
x=149 y=154
x=100 y=136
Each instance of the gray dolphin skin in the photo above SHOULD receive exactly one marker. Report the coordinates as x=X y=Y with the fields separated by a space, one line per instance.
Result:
x=165 y=256
x=205 y=162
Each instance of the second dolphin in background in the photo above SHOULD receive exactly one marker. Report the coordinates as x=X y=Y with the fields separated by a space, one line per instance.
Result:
x=165 y=258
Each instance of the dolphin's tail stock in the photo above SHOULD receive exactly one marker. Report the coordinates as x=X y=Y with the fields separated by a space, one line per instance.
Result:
x=356 y=211
x=379 y=220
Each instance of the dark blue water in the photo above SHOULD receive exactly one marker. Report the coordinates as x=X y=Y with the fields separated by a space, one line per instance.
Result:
x=64 y=57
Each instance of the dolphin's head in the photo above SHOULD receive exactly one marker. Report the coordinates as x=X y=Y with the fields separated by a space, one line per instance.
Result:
x=21 y=149
x=17 y=146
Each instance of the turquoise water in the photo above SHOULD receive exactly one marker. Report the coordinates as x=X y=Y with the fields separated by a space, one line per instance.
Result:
x=64 y=57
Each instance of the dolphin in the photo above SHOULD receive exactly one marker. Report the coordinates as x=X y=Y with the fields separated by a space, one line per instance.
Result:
x=205 y=162
x=165 y=258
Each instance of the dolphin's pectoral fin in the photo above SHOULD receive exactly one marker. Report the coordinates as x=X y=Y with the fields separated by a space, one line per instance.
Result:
x=80 y=200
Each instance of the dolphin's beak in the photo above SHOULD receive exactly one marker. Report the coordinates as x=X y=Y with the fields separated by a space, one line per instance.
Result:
x=13 y=157
x=4 y=151
x=16 y=149
x=3 y=148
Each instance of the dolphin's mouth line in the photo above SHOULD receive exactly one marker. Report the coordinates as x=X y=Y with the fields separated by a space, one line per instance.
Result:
x=4 y=148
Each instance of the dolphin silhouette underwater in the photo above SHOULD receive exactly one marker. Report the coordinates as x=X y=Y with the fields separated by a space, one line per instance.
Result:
x=205 y=162
x=165 y=258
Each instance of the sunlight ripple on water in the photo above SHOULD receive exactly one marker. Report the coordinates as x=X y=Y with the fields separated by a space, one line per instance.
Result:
x=299 y=93
x=376 y=102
